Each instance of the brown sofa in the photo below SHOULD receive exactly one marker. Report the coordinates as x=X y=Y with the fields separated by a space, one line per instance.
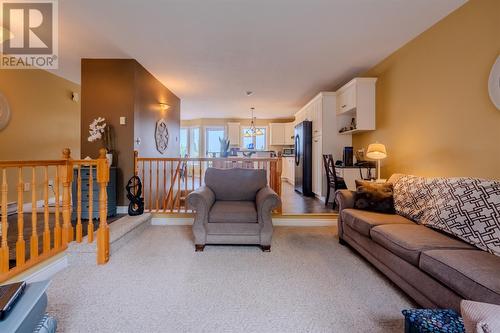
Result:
x=433 y=268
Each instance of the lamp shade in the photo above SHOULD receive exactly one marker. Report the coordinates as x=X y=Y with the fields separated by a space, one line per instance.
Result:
x=376 y=151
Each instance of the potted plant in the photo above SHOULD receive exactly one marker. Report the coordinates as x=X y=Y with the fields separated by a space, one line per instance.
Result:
x=224 y=147
x=100 y=131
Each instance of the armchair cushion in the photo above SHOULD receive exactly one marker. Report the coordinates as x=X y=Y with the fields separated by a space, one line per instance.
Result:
x=235 y=184
x=233 y=212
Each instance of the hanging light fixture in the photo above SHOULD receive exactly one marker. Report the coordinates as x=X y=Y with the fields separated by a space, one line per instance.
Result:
x=253 y=131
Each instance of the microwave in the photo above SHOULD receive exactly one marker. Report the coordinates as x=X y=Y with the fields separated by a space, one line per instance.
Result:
x=288 y=151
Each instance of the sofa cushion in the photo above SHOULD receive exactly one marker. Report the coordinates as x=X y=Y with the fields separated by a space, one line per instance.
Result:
x=408 y=240
x=235 y=184
x=473 y=274
x=375 y=197
x=233 y=211
x=362 y=221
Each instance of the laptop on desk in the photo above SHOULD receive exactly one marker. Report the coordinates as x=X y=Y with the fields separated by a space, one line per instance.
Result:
x=9 y=294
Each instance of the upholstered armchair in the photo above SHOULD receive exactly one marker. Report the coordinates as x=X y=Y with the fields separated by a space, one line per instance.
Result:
x=234 y=207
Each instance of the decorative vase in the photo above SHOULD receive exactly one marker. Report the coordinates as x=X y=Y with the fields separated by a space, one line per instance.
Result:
x=109 y=157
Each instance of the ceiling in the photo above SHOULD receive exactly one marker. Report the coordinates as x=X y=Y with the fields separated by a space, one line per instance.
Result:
x=210 y=52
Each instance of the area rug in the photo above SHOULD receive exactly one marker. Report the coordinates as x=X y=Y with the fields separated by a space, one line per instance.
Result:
x=157 y=283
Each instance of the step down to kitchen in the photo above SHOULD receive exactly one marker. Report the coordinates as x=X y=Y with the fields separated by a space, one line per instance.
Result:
x=121 y=231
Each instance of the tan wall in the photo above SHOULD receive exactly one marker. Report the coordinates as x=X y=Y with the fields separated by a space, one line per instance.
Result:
x=44 y=119
x=207 y=122
x=433 y=110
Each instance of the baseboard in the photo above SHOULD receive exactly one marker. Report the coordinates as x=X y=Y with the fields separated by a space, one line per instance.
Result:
x=122 y=209
x=277 y=221
x=43 y=271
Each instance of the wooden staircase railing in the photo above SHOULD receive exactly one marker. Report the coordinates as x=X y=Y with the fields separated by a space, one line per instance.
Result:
x=168 y=181
x=52 y=235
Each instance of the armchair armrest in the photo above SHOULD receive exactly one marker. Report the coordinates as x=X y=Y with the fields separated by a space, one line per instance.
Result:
x=266 y=201
x=201 y=201
x=344 y=199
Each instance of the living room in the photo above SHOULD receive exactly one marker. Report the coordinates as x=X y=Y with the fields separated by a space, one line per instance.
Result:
x=234 y=229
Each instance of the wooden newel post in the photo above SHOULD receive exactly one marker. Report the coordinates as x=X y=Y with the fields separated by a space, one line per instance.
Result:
x=103 y=232
x=67 y=178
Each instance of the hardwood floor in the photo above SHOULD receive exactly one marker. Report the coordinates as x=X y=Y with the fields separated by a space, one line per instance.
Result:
x=294 y=203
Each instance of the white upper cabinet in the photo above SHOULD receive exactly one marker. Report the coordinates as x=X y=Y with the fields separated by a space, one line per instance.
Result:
x=355 y=106
x=233 y=133
x=277 y=134
x=289 y=133
x=281 y=134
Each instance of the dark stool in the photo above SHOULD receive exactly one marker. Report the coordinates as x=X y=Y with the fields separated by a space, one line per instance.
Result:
x=433 y=321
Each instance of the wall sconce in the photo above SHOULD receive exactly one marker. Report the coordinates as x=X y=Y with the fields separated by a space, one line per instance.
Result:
x=164 y=106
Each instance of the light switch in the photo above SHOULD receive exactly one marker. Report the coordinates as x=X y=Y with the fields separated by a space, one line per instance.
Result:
x=123 y=120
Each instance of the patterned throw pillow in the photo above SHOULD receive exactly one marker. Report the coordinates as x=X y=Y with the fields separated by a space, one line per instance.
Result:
x=375 y=197
x=467 y=208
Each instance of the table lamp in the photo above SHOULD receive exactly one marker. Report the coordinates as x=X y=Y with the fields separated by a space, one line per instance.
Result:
x=377 y=152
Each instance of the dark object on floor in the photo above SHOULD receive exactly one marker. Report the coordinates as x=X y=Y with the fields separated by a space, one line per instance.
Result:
x=134 y=194
x=332 y=181
x=9 y=294
x=432 y=321
x=376 y=197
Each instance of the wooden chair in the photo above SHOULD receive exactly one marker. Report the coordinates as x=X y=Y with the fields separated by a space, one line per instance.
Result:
x=332 y=181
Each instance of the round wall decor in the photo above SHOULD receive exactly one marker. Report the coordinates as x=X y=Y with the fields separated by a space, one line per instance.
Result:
x=161 y=136
x=494 y=83
x=4 y=112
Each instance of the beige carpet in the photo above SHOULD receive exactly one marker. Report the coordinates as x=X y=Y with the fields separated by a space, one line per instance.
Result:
x=157 y=283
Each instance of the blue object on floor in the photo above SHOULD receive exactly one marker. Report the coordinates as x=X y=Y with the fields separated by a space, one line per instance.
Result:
x=47 y=324
x=433 y=321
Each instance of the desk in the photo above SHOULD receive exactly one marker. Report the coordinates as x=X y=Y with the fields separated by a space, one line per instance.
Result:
x=351 y=173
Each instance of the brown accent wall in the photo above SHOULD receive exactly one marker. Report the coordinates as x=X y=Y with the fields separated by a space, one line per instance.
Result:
x=114 y=88
x=433 y=110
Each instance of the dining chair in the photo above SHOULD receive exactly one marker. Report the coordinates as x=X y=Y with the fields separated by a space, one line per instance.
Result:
x=332 y=180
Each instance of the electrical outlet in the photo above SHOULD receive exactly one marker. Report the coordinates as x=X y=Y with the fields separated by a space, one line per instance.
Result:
x=27 y=187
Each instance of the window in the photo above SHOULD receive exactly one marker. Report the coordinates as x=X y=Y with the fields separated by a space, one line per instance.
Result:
x=254 y=142
x=190 y=142
x=184 y=141
x=194 y=142
x=212 y=144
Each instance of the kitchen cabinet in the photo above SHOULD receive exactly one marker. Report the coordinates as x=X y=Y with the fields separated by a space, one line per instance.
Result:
x=281 y=134
x=233 y=133
x=289 y=134
x=276 y=134
x=317 y=164
x=288 y=169
x=356 y=104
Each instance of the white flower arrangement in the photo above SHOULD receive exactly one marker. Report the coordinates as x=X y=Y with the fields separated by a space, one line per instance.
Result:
x=96 y=129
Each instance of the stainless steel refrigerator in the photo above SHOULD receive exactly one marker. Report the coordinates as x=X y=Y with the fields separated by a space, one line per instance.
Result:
x=303 y=158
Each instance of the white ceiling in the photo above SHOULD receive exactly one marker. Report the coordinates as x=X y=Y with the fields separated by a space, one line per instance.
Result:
x=209 y=52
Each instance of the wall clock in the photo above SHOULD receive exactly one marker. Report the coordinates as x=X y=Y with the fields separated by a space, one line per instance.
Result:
x=494 y=83
x=4 y=112
x=161 y=136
